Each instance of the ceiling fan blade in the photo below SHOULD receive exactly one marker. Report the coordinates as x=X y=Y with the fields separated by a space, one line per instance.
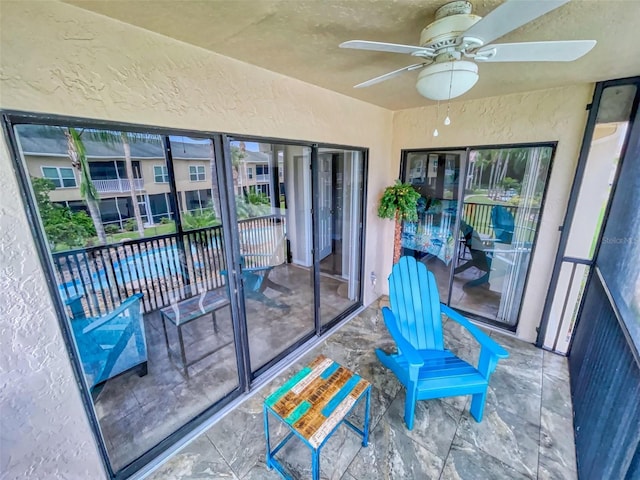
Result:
x=509 y=16
x=385 y=47
x=558 y=51
x=389 y=75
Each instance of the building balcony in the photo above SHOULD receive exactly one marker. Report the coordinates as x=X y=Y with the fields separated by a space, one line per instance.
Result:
x=118 y=185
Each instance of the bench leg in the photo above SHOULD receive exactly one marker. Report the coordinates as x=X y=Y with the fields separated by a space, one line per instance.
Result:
x=315 y=463
x=367 y=408
x=266 y=433
x=142 y=369
x=166 y=337
x=215 y=322
x=183 y=356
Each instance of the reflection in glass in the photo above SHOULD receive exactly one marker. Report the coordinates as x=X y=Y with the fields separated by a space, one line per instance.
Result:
x=500 y=216
x=272 y=186
x=340 y=182
x=435 y=175
x=620 y=249
x=147 y=306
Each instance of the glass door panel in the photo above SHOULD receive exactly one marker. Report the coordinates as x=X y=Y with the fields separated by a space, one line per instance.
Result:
x=499 y=220
x=435 y=175
x=272 y=190
x=340 y=194
x=136 y=287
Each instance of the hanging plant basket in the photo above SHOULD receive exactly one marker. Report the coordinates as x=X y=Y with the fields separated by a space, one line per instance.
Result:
x=399 y=202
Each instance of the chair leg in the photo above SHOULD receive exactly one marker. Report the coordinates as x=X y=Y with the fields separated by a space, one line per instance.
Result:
x=477 y=405
x=410 y=406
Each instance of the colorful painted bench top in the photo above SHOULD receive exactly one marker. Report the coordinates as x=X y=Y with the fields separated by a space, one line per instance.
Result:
x=317 y=399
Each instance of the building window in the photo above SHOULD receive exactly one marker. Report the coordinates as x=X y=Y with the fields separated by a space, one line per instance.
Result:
x=196 y=173
x=160 y=174
x=62 y=177
x=250 y=173
x=197 y=200
x=263 y=188
x=262 y=169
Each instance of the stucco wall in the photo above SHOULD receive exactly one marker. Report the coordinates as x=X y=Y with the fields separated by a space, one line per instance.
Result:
x=60 y=59
x=44 y=432
x=547 y=115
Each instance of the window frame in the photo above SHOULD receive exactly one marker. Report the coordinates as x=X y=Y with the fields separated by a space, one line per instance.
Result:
x=60 y=178
x=12 y=119
x=164 y=175
x=195 y=170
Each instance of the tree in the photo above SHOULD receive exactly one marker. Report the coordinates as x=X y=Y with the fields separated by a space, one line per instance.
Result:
x=215 y=194
x=125 y=139
x=197 y=220
x=237 y=156
x=399 y=202
x=88 y=192
x=61 y=225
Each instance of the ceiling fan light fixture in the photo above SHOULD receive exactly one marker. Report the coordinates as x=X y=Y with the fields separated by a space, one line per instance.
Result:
x=446 y=80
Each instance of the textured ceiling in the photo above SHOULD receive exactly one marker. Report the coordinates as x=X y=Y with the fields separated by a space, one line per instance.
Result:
x=300 y=38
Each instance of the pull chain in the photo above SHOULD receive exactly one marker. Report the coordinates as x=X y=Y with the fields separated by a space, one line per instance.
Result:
x=447 y=120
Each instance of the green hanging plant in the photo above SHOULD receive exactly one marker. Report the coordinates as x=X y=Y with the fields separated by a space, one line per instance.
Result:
x=399 y=202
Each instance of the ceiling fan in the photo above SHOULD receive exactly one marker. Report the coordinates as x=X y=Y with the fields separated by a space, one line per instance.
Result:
x=457 y=38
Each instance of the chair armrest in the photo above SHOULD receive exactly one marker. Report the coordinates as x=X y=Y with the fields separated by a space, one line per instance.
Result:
x=128 y=303
x=482 y=338
x=407 y=350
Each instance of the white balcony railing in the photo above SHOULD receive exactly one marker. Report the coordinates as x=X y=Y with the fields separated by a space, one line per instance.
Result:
x=118 y=185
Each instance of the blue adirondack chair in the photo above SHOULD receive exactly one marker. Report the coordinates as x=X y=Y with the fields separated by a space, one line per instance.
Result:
x=422 y=364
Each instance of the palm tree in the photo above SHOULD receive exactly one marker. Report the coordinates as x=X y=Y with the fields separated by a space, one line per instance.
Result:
x=126 y=139
x=215 y=194
x=78 y=155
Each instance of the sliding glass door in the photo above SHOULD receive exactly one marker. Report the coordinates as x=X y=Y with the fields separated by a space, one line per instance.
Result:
x=340 y=182
x=183 y=266
x=432 y=239
x=476 y=231
x=272 y=195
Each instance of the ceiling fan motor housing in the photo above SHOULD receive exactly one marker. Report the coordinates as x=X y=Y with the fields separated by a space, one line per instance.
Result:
x=451 y=22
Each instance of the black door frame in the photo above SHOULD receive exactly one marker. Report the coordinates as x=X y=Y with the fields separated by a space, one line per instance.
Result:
x=461 y=188
x=11 y=118
x=565 y=228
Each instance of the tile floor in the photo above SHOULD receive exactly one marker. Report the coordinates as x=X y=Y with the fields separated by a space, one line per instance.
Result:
x=527 y=431
x=135 y=413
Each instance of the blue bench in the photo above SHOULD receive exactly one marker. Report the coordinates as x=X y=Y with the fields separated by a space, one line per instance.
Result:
x=111 y=344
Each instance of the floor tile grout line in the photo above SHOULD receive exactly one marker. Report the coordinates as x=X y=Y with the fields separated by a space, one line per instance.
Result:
x=370 y=432
x=502 y=462
x=223 y=457
x=444 y=463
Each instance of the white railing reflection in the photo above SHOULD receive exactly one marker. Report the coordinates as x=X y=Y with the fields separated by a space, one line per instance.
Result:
x=118 y=185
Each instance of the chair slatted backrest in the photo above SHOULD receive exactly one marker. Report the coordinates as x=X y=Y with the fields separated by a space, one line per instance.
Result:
x=503 y=223
x=415 y=303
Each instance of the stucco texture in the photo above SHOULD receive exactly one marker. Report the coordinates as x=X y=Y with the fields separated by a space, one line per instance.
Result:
x=44 y=432
x=546 y=115
x=59 y=59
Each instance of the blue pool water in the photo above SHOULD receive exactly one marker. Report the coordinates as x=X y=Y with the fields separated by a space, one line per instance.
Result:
x=149 y=265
